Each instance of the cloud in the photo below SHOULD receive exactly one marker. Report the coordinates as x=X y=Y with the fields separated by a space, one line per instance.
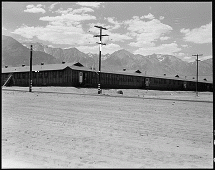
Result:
x=61 y=11
x=188 y=59
x=161 y=17
x=109 y=48
x=57 y=34
x=185 y=45
x=146 y=32
x=162 y=49
x=68 y=17
x=164 y=38
x=90 y=4
x=51 y=7
x=115 y=23
x=198 y=35
x=35 y=9
x=82 y=10
x=205 y=57
x=119 y=37
x=192 y=58
x=149 y=16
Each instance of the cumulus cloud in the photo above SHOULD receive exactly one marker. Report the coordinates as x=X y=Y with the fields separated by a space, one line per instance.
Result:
x=35 y=9
x=162 y=49
x=82 y=10
x=57 y=34
x=164 y=38
x=115 y=23
x=205 y=57
x=51 y=7
x=149 y=16
x=74 y=11
x=61 y=11
x=109 y=48
x=68 y=17
x=199 y=35
x=188 y=58
x=119 y=37
x=161 y=17
x=146 y=31
x=90 y=4
x=184 y=45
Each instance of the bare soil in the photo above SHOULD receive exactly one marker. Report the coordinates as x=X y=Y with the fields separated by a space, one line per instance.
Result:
x=66 y=127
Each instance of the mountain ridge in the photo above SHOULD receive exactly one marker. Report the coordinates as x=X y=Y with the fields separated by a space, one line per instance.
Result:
x=155 y=64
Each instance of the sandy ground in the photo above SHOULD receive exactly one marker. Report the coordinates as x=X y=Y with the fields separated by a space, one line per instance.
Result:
x=81 y=129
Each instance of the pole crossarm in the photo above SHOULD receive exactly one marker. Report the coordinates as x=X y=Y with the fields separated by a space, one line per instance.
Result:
x=100 y=27
x=101 y=43
x=100 y=35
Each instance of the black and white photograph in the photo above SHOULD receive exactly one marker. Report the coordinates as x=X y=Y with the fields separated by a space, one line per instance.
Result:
x=103 y=84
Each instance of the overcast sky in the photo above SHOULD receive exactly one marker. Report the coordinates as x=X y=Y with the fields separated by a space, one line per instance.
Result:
x=177 y=28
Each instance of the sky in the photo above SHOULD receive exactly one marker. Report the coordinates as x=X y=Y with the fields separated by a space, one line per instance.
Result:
x=181 y=29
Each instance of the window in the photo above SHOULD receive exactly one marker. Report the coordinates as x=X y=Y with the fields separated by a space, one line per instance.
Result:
x=117 y=78
x=60 y=74
x=40 y=74
x=54 y=74
x=34 y=74
x=46 y=74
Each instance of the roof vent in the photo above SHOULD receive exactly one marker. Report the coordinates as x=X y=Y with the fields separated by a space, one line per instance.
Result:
x=124 y=69
x=164 y=74
x=177 y=76
x=23 y=65
x=78 y=64
x=63 y=62
x=42 y=63
x=6 y=66
x=138 y=71
x=205 y=79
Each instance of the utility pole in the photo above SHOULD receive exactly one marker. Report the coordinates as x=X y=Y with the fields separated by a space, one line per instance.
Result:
x=30 y=74
x=197 y=55
x=100 y=53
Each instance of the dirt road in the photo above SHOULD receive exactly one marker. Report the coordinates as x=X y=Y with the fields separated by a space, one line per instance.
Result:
x=52 y=130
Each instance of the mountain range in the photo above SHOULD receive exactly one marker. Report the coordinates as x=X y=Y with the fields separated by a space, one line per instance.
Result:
x=15 y=53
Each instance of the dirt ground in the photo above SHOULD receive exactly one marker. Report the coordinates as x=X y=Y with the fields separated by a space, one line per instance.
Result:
x=66 y=127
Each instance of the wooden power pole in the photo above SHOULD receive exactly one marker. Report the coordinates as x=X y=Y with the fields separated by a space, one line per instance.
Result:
x=197 y=55
x=100 y=53
x=30 y=74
